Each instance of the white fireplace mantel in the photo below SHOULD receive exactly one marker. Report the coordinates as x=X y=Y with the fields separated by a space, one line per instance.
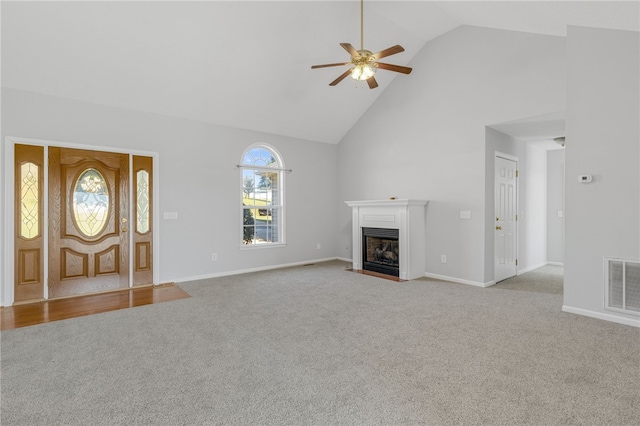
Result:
x=407 y=216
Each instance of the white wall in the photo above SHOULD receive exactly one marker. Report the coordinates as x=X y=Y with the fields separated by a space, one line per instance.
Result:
x=534 y=215
x=555 y=204
x=425 y=136
x=198 y=179
x=603 y=121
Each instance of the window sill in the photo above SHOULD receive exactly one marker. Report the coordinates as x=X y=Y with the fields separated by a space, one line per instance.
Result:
x=261 y=246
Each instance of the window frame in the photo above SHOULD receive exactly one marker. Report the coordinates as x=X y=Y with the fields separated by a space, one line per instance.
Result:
x=280 y=170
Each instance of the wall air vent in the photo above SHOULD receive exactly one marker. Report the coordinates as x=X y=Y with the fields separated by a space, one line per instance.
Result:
x=622 y=285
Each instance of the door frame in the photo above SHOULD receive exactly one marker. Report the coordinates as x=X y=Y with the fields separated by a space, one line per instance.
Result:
x=7 y=214
x=509 y=157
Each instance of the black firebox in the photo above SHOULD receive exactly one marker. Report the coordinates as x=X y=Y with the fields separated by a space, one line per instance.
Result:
x=380 y=251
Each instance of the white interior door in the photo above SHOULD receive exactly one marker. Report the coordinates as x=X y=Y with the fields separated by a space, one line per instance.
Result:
x=505 y=237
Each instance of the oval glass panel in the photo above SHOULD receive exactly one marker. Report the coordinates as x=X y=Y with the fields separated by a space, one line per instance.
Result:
x=91 y=202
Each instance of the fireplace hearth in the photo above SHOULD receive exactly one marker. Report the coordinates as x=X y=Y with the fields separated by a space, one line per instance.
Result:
x=380 y=251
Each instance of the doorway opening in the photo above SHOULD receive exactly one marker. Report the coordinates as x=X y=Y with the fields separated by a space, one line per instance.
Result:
x=540 y=187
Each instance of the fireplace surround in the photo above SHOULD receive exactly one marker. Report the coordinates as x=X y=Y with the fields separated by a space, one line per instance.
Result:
x=405 y=253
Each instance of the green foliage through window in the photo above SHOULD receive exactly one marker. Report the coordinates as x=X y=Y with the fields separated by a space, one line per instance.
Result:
x=261 y=196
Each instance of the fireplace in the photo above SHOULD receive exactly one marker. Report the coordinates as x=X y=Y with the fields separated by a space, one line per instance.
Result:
x=397 y=246
x=380 y=251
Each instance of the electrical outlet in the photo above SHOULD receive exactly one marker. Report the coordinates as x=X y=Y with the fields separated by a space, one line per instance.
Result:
x=318 y=246
x=443 y=258
x=214 y=256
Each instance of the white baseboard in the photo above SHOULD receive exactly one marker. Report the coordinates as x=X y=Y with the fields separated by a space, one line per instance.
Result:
x=540 y=265
x=602 y=316
x=344 y=259
x=531 y=268
x=249 y=270
x=458 y=280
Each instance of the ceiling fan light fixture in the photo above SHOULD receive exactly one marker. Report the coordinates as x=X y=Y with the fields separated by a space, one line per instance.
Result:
x=365 y=63
x=362 y=72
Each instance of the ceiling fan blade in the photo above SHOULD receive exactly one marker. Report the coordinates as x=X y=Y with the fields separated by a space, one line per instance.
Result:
x=349 y=48
x=396 y=68
x=339 y=79
x=372 y=82
x=388 y=52
x=313 y=67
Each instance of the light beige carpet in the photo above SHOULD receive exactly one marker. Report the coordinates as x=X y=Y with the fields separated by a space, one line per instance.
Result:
x=319 y=345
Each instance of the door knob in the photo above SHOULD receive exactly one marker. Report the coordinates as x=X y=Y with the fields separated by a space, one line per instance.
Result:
x=125 y=229
x=498 y=228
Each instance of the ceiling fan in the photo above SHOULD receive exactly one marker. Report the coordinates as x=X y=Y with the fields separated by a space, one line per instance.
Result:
x=364 y=61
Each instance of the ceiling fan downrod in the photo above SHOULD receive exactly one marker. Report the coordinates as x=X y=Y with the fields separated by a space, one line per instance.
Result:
x=361 y=24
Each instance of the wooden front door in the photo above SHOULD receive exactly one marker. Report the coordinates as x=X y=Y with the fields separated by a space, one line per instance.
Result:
x=88 y=221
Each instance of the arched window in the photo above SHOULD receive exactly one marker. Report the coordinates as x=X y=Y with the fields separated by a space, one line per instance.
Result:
x=262 y=196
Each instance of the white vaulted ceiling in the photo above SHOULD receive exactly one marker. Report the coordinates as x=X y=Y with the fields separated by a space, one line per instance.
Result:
x=247 y=64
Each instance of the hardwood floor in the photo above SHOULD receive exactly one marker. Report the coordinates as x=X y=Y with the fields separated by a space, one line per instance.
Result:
x=17 y=316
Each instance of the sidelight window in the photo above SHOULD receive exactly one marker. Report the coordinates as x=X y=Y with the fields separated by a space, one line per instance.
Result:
x=142 y=201
x=29 y=201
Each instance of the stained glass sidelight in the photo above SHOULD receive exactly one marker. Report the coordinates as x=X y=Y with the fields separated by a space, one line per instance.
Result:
x=29 y=201
x=91 y=202
x=142 y=202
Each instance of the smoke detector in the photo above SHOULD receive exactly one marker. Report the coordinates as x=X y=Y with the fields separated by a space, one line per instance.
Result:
x=559 y=140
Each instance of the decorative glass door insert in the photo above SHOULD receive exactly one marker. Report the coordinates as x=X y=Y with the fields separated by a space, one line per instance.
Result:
x=90 y=203
x=88 y=215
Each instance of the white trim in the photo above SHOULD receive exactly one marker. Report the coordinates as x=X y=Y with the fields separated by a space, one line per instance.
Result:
x=459 y=280
x=344 y=259
x=555 y=263
x=389 y=202
x=505 y=156
x=155 y=164
x=531 y=268
x=45 y=227
x=7 y=262
x=133 y=199
x=261 y=246
x=249 y=270
x=633 y=322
